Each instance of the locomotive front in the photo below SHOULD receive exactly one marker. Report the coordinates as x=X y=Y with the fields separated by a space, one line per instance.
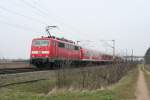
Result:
x=40 y=51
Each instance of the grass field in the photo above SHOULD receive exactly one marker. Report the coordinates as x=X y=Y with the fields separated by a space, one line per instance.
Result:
x=15 y=65
x=41 y=90
x=147 y=76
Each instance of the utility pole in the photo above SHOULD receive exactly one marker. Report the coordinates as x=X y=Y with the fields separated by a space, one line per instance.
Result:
x=113 y=49
x=112 y=46
x=126 y=54
x=132 y=56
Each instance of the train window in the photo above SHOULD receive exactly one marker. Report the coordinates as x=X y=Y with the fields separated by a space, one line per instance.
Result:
x=62 y=45
x=72 y=47
x=40 y=43
x=67 y=46
x=76 y=48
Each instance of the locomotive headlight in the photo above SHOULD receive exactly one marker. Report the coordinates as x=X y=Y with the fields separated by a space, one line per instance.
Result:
x=45 y=52
x=34 y=52
x=40 y=52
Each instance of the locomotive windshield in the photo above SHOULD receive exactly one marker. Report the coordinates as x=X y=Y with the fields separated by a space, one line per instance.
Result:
x=40 y=43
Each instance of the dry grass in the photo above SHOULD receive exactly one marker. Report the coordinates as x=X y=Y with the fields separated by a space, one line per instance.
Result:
x=147 y=76
x=91 y=78
x=123 y=90
x=15 y=65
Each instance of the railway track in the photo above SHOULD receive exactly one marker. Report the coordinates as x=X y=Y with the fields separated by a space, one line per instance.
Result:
x=22 y=82
x=17 y=70
x=4 y=71
x=14 y=68
x=16 y=76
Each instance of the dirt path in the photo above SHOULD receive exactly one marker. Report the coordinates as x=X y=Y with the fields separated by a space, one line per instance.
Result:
x=142 y=91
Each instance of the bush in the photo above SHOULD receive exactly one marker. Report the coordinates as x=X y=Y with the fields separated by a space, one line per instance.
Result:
x=91 y=77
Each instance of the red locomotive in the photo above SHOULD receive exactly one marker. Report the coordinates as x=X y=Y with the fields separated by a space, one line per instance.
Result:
x=52 y=50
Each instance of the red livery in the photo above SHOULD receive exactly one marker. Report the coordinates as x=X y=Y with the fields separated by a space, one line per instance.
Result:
x=52 y=50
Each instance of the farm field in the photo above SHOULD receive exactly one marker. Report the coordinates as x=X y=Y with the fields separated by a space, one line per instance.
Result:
x=4 y=65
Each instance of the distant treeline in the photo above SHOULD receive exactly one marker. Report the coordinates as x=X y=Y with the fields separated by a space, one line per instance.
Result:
x=147 y=56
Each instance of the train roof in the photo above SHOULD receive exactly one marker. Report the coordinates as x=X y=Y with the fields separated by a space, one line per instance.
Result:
x=57 y=39
x=95 y=51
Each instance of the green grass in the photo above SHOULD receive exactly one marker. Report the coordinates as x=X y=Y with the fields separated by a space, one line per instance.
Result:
x=147 y=76
x=123 y=90
x=147 y=67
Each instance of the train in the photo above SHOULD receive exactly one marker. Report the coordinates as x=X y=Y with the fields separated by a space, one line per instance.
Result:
x=51 y=51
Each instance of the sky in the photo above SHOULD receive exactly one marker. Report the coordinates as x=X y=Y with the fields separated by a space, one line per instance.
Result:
x=125 y=21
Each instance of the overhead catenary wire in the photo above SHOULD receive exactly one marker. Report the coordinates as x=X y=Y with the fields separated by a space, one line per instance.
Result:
x=60 y=17
x=19 y=14
x=17 y=26
x=34 y=7
x=40 y=12
x=43 y=12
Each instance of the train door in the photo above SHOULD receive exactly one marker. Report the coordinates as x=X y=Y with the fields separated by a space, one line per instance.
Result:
x=54 y=50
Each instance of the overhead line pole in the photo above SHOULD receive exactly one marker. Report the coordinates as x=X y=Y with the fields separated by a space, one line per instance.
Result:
x=132 y=55
x=113 y=49
x=112 y=46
